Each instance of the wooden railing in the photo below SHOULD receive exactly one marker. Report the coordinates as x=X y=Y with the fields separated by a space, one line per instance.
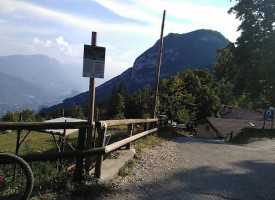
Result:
x=81 y=151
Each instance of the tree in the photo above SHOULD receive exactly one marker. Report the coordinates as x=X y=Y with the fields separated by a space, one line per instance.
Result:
x=10 y=117
x=203 y=88
x=28 y=115
x=116 y=108
x=175 y=101
x=254 y=52
x=140 y=104
x=77 y=112
x=189 y=96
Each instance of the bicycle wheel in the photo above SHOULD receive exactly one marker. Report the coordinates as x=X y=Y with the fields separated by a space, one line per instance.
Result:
x=16 y=178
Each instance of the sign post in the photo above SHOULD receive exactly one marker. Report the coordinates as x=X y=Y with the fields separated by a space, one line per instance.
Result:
x=93 y=67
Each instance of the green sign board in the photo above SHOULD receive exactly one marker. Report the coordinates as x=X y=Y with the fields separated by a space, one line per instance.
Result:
x=93 y=61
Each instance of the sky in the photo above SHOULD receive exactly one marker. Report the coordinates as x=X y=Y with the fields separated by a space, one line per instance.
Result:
x=60 y=28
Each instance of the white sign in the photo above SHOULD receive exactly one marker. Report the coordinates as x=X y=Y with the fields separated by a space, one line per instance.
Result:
x=93 y=61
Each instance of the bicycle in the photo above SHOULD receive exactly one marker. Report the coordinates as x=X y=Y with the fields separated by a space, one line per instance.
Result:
x=16 y=178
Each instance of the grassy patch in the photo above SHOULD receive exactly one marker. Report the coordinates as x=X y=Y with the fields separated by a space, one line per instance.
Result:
x=113 y=155
x=147 y=142
x=62 y=186
x=35 y=142
x=248 y=133
x=126 y=170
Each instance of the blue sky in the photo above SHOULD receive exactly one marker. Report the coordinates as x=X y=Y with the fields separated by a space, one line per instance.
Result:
x=60 y=28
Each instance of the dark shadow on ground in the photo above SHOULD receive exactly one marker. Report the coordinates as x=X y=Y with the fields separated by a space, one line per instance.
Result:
x=257 y=182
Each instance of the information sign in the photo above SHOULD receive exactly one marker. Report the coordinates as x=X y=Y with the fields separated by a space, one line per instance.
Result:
x=268 y=115
x=93 y=61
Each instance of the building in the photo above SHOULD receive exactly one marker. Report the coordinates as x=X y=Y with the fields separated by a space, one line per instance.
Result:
x=212 y=128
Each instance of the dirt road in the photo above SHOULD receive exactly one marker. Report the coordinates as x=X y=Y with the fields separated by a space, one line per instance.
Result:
x=195 y=169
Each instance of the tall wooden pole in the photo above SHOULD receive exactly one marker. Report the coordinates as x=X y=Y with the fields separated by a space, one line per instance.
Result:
x=91 y=106
x=91 y=103
x=158 y=67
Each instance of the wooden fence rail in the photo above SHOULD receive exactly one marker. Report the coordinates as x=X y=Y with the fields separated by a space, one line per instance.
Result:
x=81 y=152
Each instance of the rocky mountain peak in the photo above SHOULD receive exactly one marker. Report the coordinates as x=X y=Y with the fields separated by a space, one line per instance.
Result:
x=196 y=49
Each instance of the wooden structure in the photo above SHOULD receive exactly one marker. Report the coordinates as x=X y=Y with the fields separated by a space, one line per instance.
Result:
x=82 y=151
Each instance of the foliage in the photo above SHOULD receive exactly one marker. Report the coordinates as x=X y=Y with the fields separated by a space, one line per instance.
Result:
x=140 y=103
x=11 y=117
x=27 y=116
x=189 y=96
x=249 y=64
x=77 y=111
x=116 y=108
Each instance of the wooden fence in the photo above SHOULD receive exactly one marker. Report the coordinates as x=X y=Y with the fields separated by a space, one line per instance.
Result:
x=81 y=152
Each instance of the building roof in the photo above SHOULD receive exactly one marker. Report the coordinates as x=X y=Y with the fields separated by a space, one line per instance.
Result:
x=230 y=112
x=225 y=127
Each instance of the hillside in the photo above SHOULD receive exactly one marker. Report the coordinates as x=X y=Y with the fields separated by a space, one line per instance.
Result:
x=45 y=72
x=32 y=81
x=196 y=49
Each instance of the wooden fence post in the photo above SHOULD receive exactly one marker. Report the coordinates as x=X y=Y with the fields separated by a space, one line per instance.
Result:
x=101 y=143
x=78 y=177
x=61 y=143
x=130 y=133
x=146 y=127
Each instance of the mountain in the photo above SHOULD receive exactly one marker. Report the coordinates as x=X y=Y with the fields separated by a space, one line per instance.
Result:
x=31 y=81
x=16 y=94
x=196 y=49
x=45 y=72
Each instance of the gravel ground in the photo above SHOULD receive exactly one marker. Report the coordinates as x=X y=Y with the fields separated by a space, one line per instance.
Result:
x=193 y=169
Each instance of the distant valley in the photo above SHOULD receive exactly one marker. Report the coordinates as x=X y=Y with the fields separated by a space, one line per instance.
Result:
x=33 y=81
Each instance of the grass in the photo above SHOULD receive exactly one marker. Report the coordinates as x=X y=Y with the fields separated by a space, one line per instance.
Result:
x=248 y=133
x=35 y=142
x=126 y=170
x=46 y=176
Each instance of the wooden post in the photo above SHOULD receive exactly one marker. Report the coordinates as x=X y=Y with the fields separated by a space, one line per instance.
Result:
x=146 y=126
x=18 y=142
x=91 y=102
x=101 y=143
x=62 y=140
x=91 y=105
x=158 y=67
x=78 y=177
x=20 y=117
x=130 y=133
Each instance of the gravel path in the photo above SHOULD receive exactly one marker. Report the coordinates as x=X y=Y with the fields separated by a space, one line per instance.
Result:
x=193 y=169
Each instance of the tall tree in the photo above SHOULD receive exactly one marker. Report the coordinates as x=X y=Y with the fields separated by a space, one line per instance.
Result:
x=189 y=96
x=116 y=108
x=77 y=111
x=140 y=103
x=28 y=115
x=254 y=51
